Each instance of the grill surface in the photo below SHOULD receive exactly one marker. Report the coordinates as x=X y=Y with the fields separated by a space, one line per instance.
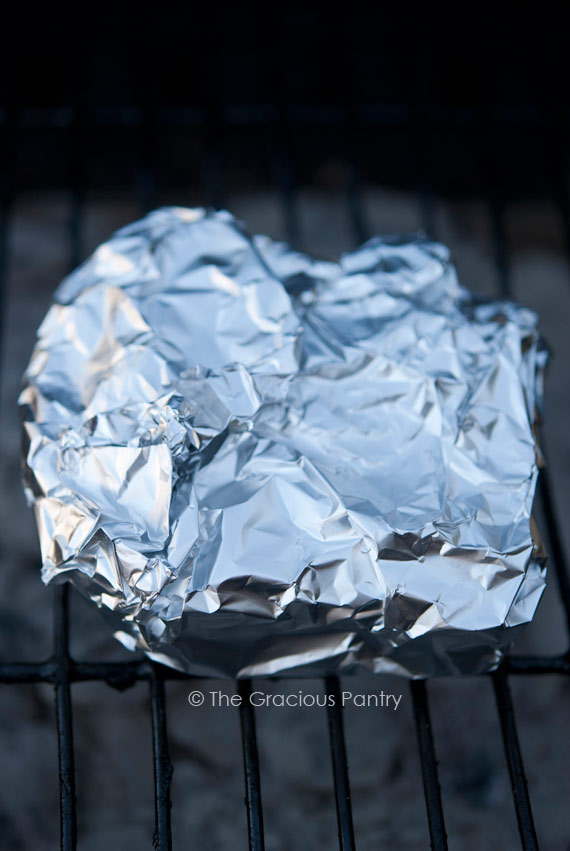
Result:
x=62 y=671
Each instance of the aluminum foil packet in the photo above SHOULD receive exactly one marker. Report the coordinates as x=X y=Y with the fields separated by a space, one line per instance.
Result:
x=257 y=463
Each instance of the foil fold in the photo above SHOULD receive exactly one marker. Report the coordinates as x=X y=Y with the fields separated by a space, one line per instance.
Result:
x=257 y=463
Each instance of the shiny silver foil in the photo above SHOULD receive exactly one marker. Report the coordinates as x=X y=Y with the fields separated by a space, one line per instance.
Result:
x=256 y=463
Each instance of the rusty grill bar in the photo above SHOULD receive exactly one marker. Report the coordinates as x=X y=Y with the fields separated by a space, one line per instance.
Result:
x=61 y=670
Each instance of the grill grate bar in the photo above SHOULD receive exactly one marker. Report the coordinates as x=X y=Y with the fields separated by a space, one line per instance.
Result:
x=77 y=186
x=145 y=176
x=339 y=765
x=264 y=114
x=162 y=839
x=146 y=188
x=505 y=708
x=432 y=791
x=356 y=214
x=214 y=129
x=513 y=755
x=283 y=169
x=67 y=809
x=285 y=183
x=537 y=664
x=497 y=222
x=251 y=768
x=556 y=548
x=123 y=675
x=8 y=161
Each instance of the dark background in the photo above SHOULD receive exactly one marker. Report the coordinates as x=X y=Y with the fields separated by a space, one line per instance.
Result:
x=476 y=94
x=320 y=127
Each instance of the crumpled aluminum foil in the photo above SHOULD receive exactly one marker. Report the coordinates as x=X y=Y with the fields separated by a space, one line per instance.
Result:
x=256 y=463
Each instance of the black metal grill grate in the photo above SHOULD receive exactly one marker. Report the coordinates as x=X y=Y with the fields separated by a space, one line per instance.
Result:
x=62 y=671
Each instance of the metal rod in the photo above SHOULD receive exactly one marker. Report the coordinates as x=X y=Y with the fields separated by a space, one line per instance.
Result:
x=436 y=822
x=8 y=164
x=354 y=200
x=122 y=675
x=77 y=180
x=496 y=212
x=555 y=545
x=372 y=115
x=339 y=765
x=119 y=675
x=502 y=692
x=497 y=217
x=67 y=810
x=537 y=664
x=286 y=183
x=146 y=167
x=514 y=761
x=162 y=839
x=251 y=768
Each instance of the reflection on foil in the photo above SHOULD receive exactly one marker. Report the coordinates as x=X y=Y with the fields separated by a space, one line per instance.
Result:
x=258 y=463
